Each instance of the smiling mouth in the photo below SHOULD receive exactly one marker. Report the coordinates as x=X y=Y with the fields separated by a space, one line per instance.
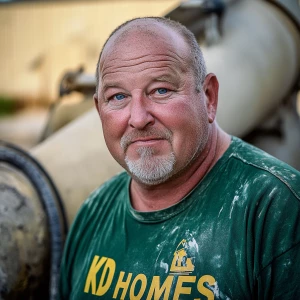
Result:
x=146 y=140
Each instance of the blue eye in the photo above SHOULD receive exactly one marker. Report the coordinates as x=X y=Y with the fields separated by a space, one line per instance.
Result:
x=162 y=91
x=119 y=97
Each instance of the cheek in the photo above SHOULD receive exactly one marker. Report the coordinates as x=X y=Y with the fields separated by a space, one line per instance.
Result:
x=113 y=126
x=187 y=124
x=113 y=123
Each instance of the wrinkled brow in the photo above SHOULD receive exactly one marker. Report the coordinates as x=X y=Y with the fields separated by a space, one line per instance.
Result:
x=172 y=78
x=109 y=85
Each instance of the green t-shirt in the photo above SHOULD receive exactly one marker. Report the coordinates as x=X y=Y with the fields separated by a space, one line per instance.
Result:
x=234 y=236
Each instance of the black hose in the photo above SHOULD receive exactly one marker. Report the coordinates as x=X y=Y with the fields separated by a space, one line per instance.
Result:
x=51 y=202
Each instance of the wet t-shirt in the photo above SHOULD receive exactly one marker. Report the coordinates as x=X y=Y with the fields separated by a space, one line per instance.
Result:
x=234 y=236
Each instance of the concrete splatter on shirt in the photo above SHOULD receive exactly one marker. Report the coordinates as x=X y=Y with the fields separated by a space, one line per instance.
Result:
x=236 y=235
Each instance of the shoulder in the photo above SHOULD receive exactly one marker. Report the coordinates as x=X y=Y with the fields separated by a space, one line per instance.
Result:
x=264 y=170
x=112 y=186
x=101 y=203
x=94 y=212
x=271 y=192
x=97 y=208
x=106 y=194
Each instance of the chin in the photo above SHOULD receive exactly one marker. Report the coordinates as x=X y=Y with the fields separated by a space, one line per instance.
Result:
x=151 y=170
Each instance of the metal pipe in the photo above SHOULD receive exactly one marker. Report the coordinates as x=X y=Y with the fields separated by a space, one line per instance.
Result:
x=257 y=62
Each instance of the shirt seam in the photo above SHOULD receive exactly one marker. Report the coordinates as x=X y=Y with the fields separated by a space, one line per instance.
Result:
x=270 y=172
x=276 y=257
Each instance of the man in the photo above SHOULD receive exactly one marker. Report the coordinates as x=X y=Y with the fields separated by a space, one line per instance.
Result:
x=198 y=214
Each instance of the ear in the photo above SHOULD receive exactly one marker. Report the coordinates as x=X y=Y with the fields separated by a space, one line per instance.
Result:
x=96 y=103
x=211 y=91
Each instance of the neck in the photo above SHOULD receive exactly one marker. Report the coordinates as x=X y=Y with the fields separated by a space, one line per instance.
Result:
x=150 y=198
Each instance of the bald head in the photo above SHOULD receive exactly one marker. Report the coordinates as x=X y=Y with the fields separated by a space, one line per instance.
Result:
x=150 y=27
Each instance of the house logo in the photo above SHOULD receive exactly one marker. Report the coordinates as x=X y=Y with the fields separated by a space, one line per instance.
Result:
x=182 y=262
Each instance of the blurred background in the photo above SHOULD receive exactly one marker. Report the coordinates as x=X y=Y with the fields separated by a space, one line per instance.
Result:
x=40 y=42
x=52 y=151
x=49 y=50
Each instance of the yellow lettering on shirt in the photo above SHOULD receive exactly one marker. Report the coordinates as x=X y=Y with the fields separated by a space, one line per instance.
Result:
x=91 y=278
x=155 y=291
x=102 y=272
x=108 y=274
x=204 y=290
x=122 y=285
x=181 y=289
x=143 y=279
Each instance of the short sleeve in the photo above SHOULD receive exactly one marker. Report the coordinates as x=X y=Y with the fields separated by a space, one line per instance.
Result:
x=281 y=278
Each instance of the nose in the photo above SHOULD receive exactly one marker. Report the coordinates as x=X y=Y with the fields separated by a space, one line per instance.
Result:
x=140 y=112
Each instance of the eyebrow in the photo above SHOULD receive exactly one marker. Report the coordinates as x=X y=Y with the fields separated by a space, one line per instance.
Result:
x=171 y=78
x=168 y=78
x=107 y=86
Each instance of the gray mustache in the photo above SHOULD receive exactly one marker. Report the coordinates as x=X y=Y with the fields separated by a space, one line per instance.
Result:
x=128 y=138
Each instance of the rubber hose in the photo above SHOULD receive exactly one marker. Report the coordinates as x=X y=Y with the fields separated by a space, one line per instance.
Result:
x=51 y=202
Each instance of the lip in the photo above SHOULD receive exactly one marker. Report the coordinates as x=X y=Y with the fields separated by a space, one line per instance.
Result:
x=146 y=141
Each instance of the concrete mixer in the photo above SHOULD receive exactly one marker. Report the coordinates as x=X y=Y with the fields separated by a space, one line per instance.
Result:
x=254 y=49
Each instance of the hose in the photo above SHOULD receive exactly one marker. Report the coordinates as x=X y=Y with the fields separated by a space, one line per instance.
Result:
x=50 y=200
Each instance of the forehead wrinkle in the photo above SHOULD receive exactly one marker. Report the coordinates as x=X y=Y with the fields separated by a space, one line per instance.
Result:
x=122 y=69
x=168 y=53
x=117 y=47
x=152 y=58
x=164 y=76
x=112 y=67
x=117 y=57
